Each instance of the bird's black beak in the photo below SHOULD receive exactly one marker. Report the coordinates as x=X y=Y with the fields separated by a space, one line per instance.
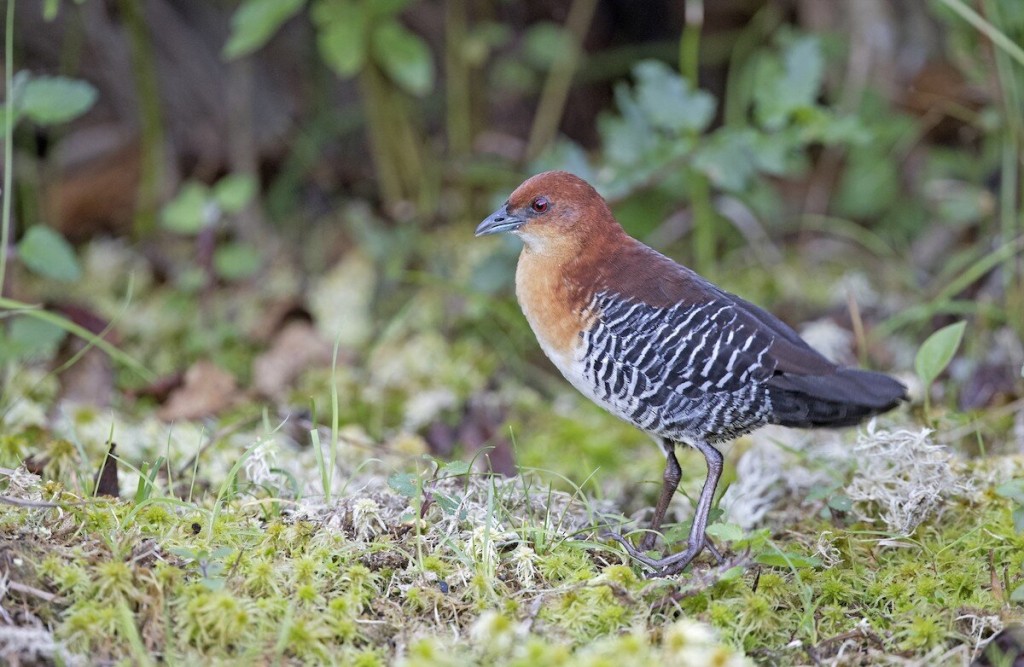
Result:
x=499 y=221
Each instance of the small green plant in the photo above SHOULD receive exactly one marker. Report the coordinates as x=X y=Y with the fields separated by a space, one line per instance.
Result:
x=209 y=564
x=412 y=485
x=660 y=143
x=1014 y=490
x=34 y=333
x=935 y=354
x=363 y=39
x=43 y=101
x=201 y=211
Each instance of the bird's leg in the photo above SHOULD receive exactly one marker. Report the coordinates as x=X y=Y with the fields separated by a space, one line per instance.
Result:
x=697 y=540
x=673 y=473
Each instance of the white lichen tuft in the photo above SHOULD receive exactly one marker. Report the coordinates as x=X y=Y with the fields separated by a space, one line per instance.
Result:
x=259 y=465
x=493 y=632
x=483 y=545
x=780 y=469
x=366 y=519
x=24 y=485
x=826 y=549
x=691 y=643
x=31 y=645
x=902 y=477
x=523 y=559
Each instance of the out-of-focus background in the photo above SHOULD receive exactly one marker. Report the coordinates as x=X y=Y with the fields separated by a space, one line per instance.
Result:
x=231 y=222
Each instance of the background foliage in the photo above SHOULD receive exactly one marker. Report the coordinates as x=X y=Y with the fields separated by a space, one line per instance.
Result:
x=239 y=295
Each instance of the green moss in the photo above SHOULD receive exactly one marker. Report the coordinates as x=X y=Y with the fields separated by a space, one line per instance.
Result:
x=113 y=580
x=588 y=612
x=923 y=633
x=307 y=637
x=622 y=575
x=14 y=447
x=305 y=593
x=213 y=619
x=436 y=565
x=565 y=565
x=86 y=624
x=262 y=576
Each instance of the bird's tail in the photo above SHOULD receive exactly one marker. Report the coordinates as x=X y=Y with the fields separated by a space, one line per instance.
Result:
x=844 y=398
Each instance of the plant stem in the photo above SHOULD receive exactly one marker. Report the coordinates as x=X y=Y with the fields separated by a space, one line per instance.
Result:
x=689 y=43
x=459 y=116
x=984 y=27
x=1010 y=173
x=739 y=83
x=556 y=88
x=388 y=179
x=152 y=139
x=5 y=223
x=704 y=218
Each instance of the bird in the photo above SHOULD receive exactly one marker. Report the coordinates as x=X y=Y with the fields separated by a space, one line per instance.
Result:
x=664 y=349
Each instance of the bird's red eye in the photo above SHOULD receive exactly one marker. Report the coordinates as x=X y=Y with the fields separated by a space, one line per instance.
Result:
x=540 y=204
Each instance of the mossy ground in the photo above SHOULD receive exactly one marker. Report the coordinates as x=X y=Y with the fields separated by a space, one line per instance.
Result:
x=442 y=565
x=224 y=549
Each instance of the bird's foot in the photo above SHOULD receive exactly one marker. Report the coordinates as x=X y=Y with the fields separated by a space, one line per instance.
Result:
x=669 y=565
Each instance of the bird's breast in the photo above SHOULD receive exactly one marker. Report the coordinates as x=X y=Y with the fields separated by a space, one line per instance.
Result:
x=551 y=305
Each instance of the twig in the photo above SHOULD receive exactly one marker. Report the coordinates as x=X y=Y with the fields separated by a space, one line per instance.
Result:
x=25 y=589
x=556 y=88
x=5 y=221
x=20 y=502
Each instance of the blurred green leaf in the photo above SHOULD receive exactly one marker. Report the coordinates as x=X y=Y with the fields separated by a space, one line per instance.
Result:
x=405 y=57
x=185 y=553
x=187 y=213
x=405 y=484
x=727 y=158
x=626 y=141
x=1018 y=594
x=233 y=192
x=255 y=22
x=823 y=125
x=212 y=584
x=787 y=559
x=236 y=261
x=50 y=8
x=728 y=532
x=221 y=552
x=1013 y=489
x=453 y=469
x=29 y=339
x=869 y=185
x=341 y=35
x=784 y=85
x=668 y=99
x=937 y=351
x=47 y=253
x=545 y=43
x=47 y=100
x=840 y=503
x=449 y=504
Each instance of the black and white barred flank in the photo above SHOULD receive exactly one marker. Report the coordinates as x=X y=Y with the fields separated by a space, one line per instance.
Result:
x=715 y=370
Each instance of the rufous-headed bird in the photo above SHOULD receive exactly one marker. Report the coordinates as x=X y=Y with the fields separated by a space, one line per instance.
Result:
x=659 y=346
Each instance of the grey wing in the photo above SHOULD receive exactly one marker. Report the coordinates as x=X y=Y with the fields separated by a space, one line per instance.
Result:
x=700 y=363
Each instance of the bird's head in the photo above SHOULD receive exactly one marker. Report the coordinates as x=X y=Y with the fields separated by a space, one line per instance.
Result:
x=552 y=210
